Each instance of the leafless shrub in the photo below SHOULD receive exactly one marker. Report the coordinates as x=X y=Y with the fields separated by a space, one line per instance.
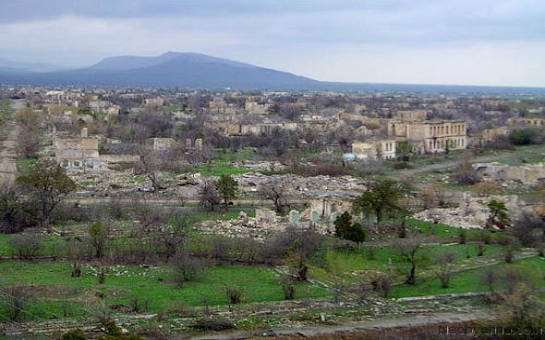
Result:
x=445 y=263
x=26 y=246
x=187 y=268
x=234 y=295
x=14 y=300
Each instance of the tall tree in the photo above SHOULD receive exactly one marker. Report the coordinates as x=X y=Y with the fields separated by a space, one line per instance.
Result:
x=227 y=188
x=383 y=196
x=47 y=184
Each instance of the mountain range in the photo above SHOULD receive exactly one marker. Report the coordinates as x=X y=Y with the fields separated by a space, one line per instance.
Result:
x=172 y=69
x=199 y=71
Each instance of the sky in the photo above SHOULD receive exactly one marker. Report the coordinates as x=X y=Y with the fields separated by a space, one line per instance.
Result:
x=461 y=42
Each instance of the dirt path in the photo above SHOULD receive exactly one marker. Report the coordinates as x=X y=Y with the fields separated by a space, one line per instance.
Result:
x=442 y=165
x=8 y=153
x=406 y=321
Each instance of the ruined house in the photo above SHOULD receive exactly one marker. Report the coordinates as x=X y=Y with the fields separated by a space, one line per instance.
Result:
x=77 y=152
x=160 y=144
x=432 y=136
x=528 y=174
x=489 y=135
x=528 y=122
x=374 y=149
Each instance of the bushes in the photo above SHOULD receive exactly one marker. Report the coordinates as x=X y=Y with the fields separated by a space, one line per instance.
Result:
x=15 y=214
x=211 y=324
x=234 y=295
x=14 y=300
x=75 y=334
x=289 y=289
x=187 y=268
x=26 y=246
x=526 y=136
x=345 y=229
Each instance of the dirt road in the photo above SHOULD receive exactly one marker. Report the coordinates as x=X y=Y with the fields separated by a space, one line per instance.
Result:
x=442 y=165
x=441 y=320
x=9 y=134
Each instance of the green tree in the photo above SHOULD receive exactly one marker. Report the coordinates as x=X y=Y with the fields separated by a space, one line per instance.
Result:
x=45 y=183
x=345 y=229
x=497 y=215
x=525 y=136
x=404 y=150
x=98 y=236
x=227 y=188
x=383 y=196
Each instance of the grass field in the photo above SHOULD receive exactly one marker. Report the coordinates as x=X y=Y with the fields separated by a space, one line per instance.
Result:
x=383 y=259
x=472 y=280
x=56 y=293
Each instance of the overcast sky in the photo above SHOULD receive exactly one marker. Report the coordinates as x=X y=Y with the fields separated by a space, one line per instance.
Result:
x=473 y=42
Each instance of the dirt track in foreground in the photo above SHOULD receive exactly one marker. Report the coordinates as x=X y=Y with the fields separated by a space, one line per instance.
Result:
x=440 y=320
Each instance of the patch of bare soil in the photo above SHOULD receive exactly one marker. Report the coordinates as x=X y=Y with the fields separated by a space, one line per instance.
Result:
x=51 y=291
x=8 y=153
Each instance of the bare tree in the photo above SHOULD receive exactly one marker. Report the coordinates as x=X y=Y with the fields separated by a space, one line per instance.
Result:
x=445 y=264
x=209 y=195
x=276 y=190
x=171 y=240
x=409 y=249
x=150 y=164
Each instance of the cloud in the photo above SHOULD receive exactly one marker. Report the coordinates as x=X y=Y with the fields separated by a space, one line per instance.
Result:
x=354 y=40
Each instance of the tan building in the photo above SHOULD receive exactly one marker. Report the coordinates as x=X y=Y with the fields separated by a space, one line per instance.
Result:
x=411 y=115
x=160 y=144
x=431 y=136
x=229 y=125
x=490 y=135
x=530 y=122
x=253 y=107
x=154 y=102
x=77 y=152
x=375 y=149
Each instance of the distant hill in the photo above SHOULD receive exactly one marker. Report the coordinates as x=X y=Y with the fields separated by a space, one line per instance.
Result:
x=199 y=71
x=190 y=70
x=20 y=67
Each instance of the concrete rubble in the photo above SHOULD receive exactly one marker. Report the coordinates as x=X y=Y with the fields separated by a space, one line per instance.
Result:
x=472 y=212
x=528 y=174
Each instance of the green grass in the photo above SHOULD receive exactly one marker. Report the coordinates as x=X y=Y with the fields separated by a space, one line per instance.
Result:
x=218 y=168
x=50 y=245
x=448 y=232
x=154 y=284
x=5 y=109
x=385 y=259
x=204 y=215
x=234 y=156
x=471 y=280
